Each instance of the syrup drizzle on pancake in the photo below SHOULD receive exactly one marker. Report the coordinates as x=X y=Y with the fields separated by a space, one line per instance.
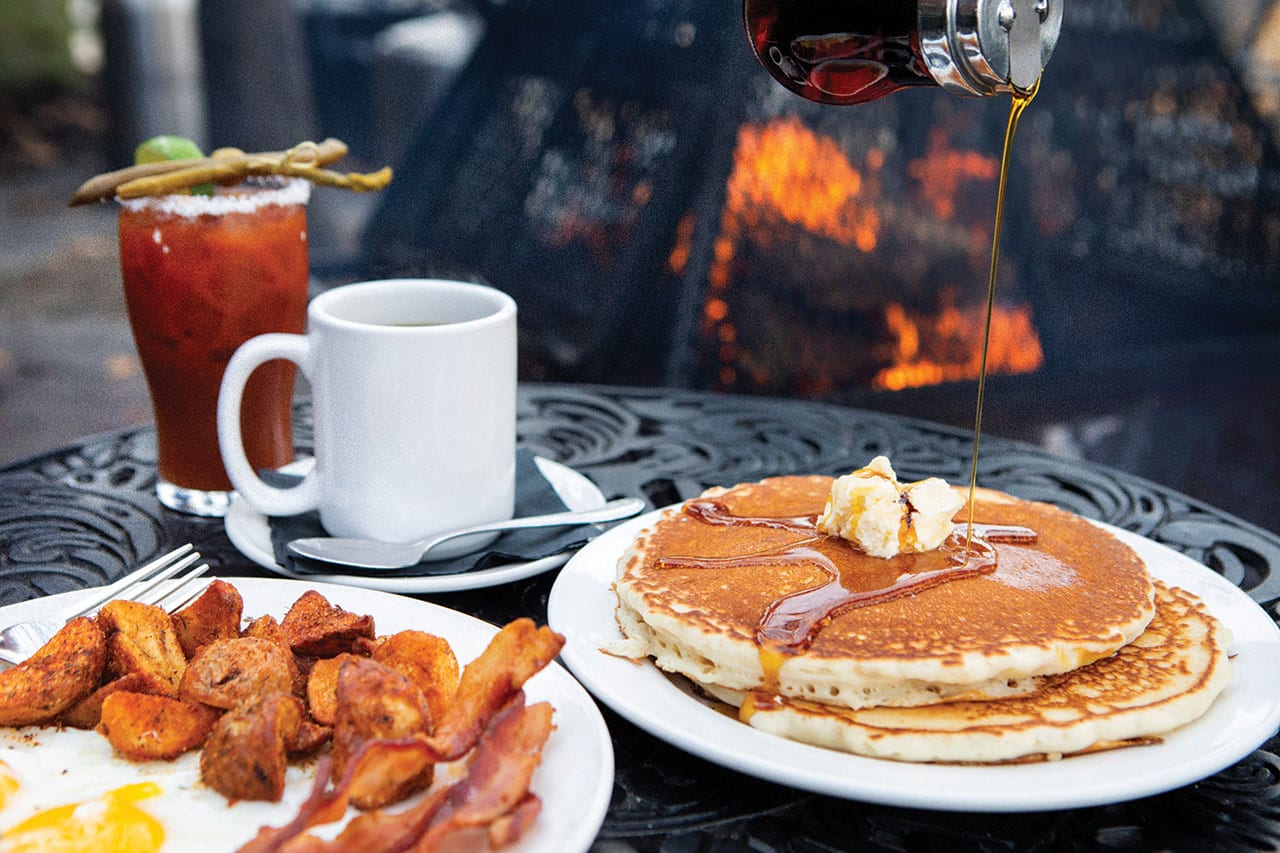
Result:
x=714 y=512
x=791 y=622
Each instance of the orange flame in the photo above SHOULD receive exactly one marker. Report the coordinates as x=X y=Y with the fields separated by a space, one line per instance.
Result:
x=784 y=171
x=947 y=347
x=942 y=169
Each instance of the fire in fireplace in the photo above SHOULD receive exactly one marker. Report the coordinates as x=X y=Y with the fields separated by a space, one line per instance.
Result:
x=664 y=213
x=796 y=193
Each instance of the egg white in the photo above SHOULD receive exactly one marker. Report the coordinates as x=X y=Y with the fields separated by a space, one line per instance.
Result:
x=55 y=767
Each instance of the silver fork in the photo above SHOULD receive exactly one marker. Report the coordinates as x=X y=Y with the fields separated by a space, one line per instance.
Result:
x=18 y=642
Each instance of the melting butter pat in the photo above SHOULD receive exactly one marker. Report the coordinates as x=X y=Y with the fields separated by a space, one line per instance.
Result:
x=883 y=517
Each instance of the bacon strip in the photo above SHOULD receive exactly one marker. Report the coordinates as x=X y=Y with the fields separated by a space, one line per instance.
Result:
x=512 y=826
x=500 y=771
x=515 y=655
x=376 y=831
x=488 y=713
x=327 y=806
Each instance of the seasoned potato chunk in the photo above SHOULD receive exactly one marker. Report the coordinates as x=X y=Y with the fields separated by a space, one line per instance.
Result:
x=62 y=672
x=140 y=638
x=313 y=626
x=215 y=615
x=426 y=660
x=322 y=689
x=375 y=701
x=143 y=727
x=227 y=673
x=87 y=713
x=245 y=757
x=267 y=628
x=309 y=737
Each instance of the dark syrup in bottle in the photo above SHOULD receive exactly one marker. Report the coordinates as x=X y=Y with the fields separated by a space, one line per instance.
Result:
x=838 y=51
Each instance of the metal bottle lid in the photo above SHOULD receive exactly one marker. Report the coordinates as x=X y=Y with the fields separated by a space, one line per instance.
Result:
x=981 y=47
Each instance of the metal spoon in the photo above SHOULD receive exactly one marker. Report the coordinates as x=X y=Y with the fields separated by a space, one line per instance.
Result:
x=372 y=554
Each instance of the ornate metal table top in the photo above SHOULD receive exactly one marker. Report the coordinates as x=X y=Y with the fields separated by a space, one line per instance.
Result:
x=78 y=516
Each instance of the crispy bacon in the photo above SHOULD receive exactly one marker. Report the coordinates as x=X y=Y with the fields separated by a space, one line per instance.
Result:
x=377 y=831
x=512 y=826
x=494 y=792
x=488 y=714
x=325 y=805
x=498 y=777
x=513 y=656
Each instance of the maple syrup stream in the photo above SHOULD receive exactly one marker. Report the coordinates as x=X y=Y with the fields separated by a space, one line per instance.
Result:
x=1021 y=100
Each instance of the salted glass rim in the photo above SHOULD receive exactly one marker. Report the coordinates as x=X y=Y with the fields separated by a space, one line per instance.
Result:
x=291 y=191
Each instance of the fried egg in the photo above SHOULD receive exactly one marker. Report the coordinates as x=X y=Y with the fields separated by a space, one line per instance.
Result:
x=66 y=790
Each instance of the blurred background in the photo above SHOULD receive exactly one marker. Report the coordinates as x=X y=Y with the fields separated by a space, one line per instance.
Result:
x=665 y=214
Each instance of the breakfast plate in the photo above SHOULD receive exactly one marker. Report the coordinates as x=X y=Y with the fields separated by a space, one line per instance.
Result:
x=250 y=531
x=582 y=606
x=574 y=780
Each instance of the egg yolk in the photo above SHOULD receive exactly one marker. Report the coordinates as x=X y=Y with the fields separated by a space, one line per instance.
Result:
x=109 y=824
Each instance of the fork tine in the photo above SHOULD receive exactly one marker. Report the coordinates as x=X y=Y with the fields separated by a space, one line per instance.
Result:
x=105 y=594
x=183 y=590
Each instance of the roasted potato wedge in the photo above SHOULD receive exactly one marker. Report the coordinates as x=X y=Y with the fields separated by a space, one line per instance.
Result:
x=62 y=672
x=246 y=756
x=143 y=727
x=322 y=688
x=426 y=660
x=227 y=673
x=267 y=628
x=375 y=701
x=215 y=615
x=309 y=737
x=87 y=713
x=313 y=626
x=140 y=638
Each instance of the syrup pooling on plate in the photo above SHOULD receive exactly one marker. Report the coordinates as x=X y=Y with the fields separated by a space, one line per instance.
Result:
x=792 y=621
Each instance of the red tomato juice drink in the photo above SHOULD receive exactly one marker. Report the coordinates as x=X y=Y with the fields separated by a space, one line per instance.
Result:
x=202 y=275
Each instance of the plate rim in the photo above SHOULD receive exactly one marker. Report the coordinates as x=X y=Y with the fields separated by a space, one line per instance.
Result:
x=862 y=778
x=249 y=532
x=554 y=682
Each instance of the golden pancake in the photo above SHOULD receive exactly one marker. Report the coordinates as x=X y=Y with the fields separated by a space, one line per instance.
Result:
x=1165 y=679
x=1072 y=596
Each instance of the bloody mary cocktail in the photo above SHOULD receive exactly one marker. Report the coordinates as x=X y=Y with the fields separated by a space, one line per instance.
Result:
x=202 y=275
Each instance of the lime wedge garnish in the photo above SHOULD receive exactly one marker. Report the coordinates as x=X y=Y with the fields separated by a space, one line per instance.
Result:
x=166 y=147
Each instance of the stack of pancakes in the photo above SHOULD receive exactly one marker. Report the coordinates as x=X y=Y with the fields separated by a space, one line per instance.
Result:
x=1067 y=646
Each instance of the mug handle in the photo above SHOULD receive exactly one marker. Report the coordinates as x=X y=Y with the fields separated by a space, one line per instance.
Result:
x=268 y=500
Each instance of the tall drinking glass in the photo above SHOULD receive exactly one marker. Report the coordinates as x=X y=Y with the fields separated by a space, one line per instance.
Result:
x=202 y=275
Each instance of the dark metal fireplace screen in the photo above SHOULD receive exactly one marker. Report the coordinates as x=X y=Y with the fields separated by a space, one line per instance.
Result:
x=665 y=214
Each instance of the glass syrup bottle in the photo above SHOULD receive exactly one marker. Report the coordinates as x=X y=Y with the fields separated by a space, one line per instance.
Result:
x=854 y=51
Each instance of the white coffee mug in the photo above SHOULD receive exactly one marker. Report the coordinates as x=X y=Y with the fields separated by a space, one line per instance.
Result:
x=413 y=385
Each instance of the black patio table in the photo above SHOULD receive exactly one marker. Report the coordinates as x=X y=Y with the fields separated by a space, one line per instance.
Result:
x=80 y=515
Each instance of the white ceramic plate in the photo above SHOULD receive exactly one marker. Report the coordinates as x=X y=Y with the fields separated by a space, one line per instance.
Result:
x=1246 y=714
x=574 y=781
x=250 y=531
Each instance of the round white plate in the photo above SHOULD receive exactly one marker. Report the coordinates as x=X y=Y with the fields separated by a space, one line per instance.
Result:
x=574 y=780
x=250 y=531
x=1247 y=713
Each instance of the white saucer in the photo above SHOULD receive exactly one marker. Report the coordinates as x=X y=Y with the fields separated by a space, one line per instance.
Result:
x=582 y=607
x=250 y=531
